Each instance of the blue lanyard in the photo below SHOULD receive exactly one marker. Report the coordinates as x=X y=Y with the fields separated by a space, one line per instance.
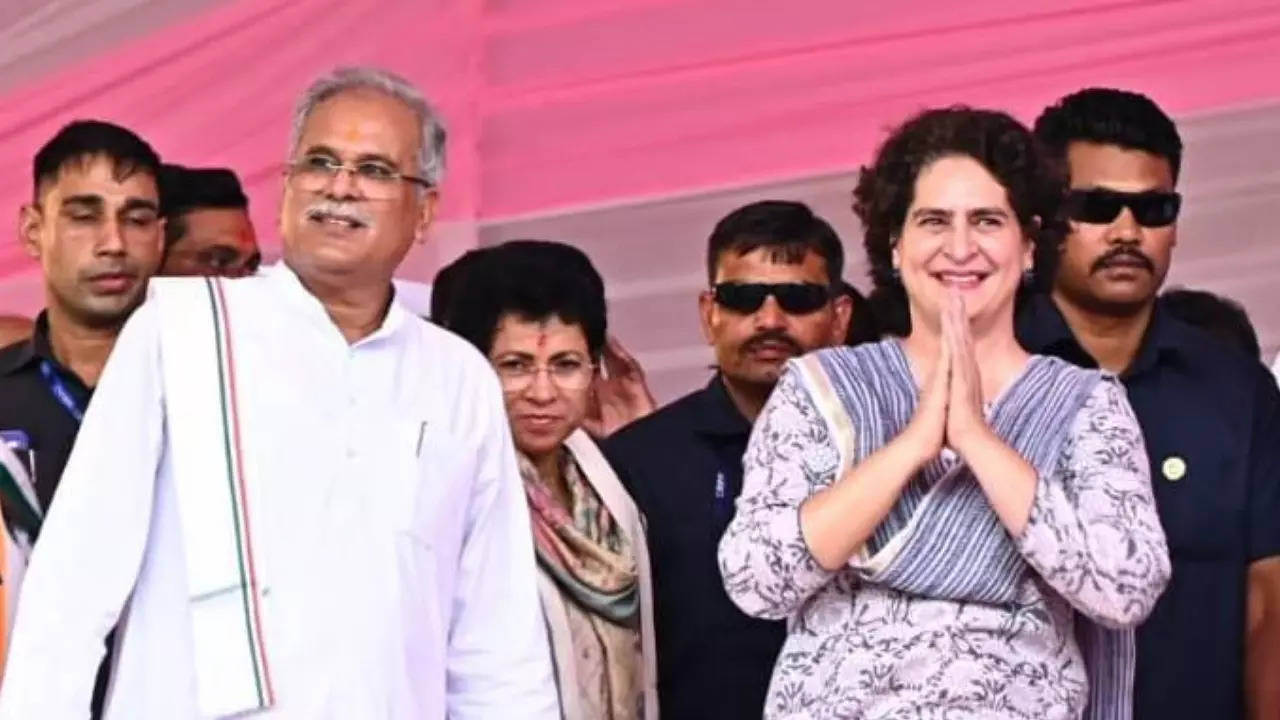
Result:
x=60 y=391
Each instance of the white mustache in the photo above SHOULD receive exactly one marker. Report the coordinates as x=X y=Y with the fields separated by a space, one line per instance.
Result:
x=322 y=209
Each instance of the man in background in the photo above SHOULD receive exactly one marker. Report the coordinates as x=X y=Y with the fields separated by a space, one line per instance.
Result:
x=1215 y=315
x=207 y=226
x=775 y=292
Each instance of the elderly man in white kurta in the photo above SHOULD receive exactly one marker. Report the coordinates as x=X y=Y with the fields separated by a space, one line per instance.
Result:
x=297 y=499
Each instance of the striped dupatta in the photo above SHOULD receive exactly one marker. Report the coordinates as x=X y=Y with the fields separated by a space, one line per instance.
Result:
x=942 y=539
x=214 y=495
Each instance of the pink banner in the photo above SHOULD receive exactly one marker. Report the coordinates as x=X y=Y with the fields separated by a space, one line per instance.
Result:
x=557 y=104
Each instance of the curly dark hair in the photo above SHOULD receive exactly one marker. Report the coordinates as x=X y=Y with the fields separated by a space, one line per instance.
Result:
x=531 y=279
x=886 y=190
x=1110 y=117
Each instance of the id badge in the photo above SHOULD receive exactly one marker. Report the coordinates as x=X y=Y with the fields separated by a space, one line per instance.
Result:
x=20 y=443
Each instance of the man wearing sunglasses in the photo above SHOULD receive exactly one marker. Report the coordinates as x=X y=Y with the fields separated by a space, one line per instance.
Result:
x=1210 y=414
x=774 y=292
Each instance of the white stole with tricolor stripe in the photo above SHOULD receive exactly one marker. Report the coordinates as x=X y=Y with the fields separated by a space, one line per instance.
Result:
x=215 y=498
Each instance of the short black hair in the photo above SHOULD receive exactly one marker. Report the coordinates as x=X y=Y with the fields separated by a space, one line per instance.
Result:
x=82 y=140
x=886 y=189
x=1110 y=117
x=448 y=282
x=532 y=279
x=184 y=189
x=1223 y=318
x=788 y=229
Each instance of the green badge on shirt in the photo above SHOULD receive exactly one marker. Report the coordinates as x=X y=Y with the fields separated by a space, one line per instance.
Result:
x=1174 y=468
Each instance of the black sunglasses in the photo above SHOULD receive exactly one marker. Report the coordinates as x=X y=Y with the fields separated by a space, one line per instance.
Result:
x=1101 y=206
x=793 y=298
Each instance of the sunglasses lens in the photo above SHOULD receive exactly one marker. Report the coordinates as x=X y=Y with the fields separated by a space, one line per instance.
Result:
x=1156 y=209
x=741 y=297
x=800 y=298
x=1094 y=206
x=793 y=298
x=1150 y=209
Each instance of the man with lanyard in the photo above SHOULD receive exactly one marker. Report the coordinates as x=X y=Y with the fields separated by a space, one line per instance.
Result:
x=775 y=293
x=1210 y=414
x=94 y=226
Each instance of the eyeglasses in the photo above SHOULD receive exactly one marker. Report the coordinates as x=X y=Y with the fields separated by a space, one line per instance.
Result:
x=1102 y=206
x=375 y=180
x=793 y=298
x=570 y=374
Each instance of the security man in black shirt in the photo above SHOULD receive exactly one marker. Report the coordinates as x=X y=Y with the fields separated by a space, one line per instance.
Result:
x=774 y=271
x=94 y=226
x=1210 y=414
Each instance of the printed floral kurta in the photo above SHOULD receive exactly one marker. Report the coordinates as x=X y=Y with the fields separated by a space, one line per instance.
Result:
x=1093 y=545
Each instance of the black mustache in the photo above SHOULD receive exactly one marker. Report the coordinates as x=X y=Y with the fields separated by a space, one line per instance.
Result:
x=1124 y=252
x=772 y=336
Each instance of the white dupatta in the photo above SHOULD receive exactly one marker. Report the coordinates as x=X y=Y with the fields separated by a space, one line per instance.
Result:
x=215 y=497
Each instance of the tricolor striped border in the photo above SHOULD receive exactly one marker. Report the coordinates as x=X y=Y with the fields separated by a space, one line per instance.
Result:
x=238 y=494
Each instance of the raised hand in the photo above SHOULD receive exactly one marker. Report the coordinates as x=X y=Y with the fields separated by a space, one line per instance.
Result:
x=619 y=395
x=927 y=429
x=966 y=420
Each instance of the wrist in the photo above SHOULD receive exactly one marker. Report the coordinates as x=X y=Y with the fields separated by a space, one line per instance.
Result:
x=915 y=441
x=974 y=441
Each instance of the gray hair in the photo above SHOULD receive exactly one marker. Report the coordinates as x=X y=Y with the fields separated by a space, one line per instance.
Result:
x=432 y=133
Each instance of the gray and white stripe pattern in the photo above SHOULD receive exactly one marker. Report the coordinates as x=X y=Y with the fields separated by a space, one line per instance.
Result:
x=963 y=552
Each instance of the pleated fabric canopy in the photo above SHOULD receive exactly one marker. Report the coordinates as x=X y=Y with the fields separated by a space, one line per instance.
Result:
x=580 y=119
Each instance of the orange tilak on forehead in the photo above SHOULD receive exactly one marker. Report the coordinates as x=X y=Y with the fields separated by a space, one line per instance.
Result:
x=352 y=132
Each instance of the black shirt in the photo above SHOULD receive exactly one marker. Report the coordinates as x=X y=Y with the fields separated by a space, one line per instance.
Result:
x=28 y=404
x=683 y=467
x=1210 y=417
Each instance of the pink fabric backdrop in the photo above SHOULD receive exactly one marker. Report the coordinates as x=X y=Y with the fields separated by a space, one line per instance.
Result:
x=556 y=104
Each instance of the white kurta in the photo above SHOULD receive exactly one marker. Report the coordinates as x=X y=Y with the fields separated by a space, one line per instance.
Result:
x=397 y=567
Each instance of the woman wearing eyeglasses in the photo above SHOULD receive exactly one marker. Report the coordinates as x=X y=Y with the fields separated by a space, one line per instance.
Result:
x=536 y=309
x=954 y=527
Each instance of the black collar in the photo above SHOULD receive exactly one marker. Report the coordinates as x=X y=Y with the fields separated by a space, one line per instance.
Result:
x=1042 y=329
x=716 y=413
x=27 y=352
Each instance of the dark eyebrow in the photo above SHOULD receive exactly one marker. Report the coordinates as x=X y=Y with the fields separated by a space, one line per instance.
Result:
x=988 y=212
x=140 y=204
x=931 y=212
x=92 y=202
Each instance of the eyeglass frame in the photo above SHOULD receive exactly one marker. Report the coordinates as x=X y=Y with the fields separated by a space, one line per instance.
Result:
x=590 y=368
x=333 y=168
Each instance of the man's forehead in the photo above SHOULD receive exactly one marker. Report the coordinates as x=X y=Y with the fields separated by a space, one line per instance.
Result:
x=1117 y=168
x=99 y=176
x=771 y=264
x=358 y=122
